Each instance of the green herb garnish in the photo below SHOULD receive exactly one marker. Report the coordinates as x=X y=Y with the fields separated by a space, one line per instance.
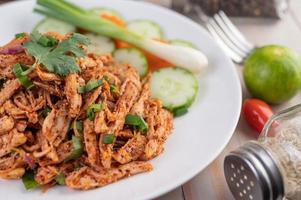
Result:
x=29 y=181
x=20 y=35
x=60 y=179
x=77 y=167
x=106 y=78
x=78 y=149
x=25 y=81
x=187 y=58
x=91 y=85
x=180 y=111
x=47 y=41
x=108 y=139
x=114 y=89
x=78 y=125
x=45 y=111
x=136 y=122
x=92 y=109
x=13 y=152
x=59 y=59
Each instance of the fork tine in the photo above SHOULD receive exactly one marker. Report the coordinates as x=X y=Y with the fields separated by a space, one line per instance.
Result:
x=225 y=39
x=234 y=56
x=235 y=31
x=240 y=45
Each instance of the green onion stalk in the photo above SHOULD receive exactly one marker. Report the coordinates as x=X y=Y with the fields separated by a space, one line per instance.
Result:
x=185 y=57
x=78 y=149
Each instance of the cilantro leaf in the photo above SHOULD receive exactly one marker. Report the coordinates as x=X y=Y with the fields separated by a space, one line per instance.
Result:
x=60 y=64
x=36 y=50
x=81 y=39
x=59 y=59
x=35 y=36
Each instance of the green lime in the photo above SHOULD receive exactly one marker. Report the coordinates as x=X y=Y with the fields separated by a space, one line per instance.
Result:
x=273 y=73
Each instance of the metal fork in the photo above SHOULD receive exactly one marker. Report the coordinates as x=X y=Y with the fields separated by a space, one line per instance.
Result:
x=230 y=39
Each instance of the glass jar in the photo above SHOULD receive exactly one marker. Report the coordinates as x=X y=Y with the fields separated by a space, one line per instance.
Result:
x=269 y=168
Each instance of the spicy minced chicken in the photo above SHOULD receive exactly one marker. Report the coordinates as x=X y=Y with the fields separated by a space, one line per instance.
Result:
x=72 y=117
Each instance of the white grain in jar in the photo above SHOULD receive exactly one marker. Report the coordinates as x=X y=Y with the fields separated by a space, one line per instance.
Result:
x=285 y=147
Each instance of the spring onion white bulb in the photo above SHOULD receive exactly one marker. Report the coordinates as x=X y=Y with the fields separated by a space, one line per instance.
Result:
x=188 y=58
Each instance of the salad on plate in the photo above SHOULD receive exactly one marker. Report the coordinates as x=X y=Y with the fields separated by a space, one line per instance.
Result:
x=88 y=99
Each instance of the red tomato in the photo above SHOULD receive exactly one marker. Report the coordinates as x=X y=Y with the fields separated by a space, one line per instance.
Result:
x=256 y=113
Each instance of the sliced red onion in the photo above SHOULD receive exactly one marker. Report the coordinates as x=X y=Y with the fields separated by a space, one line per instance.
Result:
x=30 y=161
x=12 y=50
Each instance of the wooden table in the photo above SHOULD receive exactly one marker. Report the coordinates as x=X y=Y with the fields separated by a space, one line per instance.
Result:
x=210 y=183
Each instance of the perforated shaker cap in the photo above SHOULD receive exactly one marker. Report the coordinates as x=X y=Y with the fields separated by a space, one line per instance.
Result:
x=252 y=174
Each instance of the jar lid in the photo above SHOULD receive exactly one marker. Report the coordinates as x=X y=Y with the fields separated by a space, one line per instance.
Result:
x=252 y=174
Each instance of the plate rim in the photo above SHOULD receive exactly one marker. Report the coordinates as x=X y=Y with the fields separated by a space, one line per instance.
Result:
x=196 y=169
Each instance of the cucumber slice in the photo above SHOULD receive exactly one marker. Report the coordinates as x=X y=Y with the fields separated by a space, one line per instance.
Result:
x=50 y=24
x=107 y=11
x=183 y=43
x=177 y=88
x=100 y=44
x=146 y=28
x=133 y=57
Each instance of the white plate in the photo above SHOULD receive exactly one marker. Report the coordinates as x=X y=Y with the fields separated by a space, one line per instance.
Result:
x=198 y=137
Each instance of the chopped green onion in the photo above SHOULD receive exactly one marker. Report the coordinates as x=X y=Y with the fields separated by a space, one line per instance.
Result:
x=45 y=111
x=105 y=77
x=188 y=58
x=20 y=35
x=180 y=111
x=92 y=109
x=47 y=41
x=114 y=89
x=13 y=152
x=25 y=81
x=77 y=168
x=60 y=179
x=137 y=122
x=79 y=126
x=108 y=138
x=78 y=149
x=29 y=181
x=29 y=70
x=91 y=85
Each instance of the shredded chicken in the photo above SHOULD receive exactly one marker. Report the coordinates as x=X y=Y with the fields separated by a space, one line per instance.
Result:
x=12 y=167
x=7 y=63
x=131 y=150
x=45 y=76
x=46 y=174
x=11 y=140
x=10 y=87
x=52 y=129
x=6 y=124
x=71 y=91
x=87 y=178
x=91 y=142
x=56 y=124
